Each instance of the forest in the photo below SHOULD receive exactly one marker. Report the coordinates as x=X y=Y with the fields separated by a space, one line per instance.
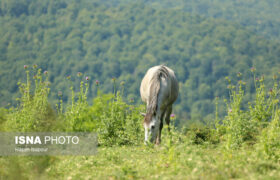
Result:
x=203 y=42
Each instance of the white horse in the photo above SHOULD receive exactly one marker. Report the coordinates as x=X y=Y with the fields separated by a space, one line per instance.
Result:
x=159 y=89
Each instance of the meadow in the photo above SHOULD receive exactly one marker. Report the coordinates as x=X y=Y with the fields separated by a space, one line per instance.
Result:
x=244 y=144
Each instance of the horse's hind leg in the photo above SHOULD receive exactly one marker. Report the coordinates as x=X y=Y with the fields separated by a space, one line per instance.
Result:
x=167 y=116
x=158 y=140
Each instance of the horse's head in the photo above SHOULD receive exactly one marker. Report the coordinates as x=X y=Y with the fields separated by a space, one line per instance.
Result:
x=151 y=127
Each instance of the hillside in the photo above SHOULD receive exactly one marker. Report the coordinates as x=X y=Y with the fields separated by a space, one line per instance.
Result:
x=123 y=41
x=259 y=16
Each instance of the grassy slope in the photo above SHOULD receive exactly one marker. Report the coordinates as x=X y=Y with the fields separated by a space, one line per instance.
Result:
x=178 y=161
x=185 y=161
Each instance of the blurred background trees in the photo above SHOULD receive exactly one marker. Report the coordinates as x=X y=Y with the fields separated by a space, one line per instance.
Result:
x=202 y=41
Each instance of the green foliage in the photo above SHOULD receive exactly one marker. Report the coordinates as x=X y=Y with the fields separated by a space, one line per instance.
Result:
x=120 y=123
x=77 y=114
x=33 y=113
x=115 y=121
x=257 y=123
x=202 y=134
x=3 y=117
x=269 y=140
x=122 y=39
x=256 y=15
x=237 y=122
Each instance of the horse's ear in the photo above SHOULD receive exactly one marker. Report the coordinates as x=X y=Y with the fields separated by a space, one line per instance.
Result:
x=143 y=114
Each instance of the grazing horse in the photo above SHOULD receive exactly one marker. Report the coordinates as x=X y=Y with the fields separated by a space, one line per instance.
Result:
x=159 y=89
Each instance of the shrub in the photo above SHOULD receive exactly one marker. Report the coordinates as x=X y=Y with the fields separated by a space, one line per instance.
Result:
x=3 y=117
x=269 y=143
x=115 y=121
x=245 y=124
x=77 y=114
x=34 y=112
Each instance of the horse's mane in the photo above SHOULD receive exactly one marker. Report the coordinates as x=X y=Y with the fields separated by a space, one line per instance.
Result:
x=154 y=90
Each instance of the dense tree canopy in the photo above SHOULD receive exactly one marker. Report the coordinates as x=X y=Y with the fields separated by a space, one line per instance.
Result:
x=122 y=39
x=257 y=15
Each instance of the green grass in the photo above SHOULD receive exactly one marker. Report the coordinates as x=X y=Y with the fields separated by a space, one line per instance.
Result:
x=181 y=161
x=186 y=161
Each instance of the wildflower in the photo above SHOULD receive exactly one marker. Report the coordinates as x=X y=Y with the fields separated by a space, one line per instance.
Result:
x=87 y=78
x=45 y=72
x=239 y=74
x=97 y=82
x=270 y=90
x=229 y=110
x=257 y=79
x=25 y=66
x=35 y=66
x=113 y=79
x=172 y=115
x=79 y=74
x=34 y=77
x=253 y=69
x=274 y=77
x=131 y=100
x=68 y=77
x=122 y=83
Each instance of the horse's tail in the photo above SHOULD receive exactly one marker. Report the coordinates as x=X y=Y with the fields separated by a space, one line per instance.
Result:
x=154 y=89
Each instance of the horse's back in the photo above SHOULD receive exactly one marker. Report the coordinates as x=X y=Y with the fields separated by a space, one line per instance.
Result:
x=171 y=86
x=146 y=83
